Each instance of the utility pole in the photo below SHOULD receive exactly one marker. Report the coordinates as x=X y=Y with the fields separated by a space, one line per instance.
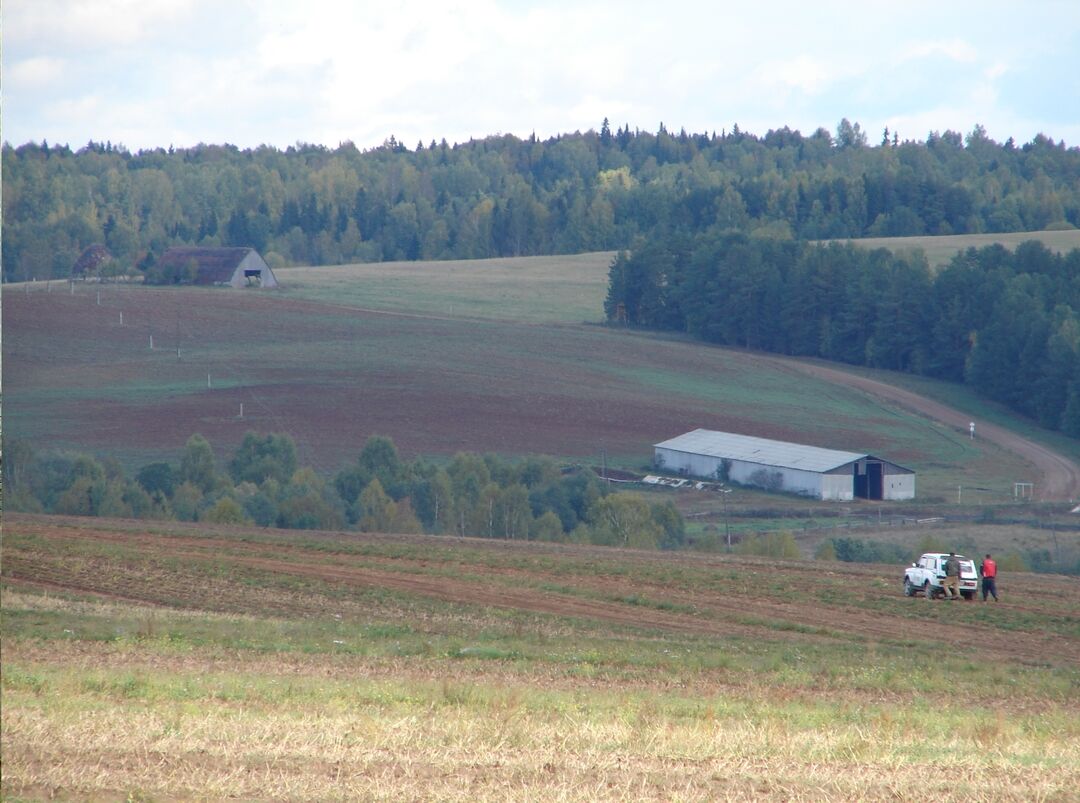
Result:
x=727 y=520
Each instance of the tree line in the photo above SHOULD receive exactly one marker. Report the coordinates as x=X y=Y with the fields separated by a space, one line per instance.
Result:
x=507 y=196
x=1005 y=323
x=262 y=484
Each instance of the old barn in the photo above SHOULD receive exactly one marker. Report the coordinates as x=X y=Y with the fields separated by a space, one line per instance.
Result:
x=234 y=267
x=779 y=466
x=90 y=260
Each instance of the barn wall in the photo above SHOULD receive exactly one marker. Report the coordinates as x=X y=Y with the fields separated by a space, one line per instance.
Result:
x=791 y=480
x=808 y=483
x=898 y=486
x=693 y=465
x=838 y=487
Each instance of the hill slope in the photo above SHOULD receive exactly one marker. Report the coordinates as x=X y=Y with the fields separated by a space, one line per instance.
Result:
x=331 y=376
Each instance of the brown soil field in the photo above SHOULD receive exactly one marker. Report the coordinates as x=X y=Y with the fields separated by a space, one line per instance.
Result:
x=332 y=375
x=763 y=598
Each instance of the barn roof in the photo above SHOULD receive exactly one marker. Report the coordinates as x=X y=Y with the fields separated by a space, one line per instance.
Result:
x=216 y=265
x=760 y=450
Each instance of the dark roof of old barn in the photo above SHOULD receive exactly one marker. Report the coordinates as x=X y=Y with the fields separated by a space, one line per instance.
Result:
x=215 y=264
x=91 y=257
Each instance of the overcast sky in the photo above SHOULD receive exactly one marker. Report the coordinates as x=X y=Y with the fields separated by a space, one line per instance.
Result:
x=149 y=73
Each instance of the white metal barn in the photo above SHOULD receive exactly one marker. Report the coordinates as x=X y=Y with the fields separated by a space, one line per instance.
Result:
x=779 y=466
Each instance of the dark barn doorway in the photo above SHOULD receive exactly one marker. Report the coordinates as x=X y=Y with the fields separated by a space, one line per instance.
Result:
x=869 y=480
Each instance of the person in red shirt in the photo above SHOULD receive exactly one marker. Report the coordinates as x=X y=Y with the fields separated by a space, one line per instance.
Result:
x=988 y=570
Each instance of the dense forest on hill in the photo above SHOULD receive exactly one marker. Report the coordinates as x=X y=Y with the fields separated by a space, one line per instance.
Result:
x=1006 y=323
x=505 y=196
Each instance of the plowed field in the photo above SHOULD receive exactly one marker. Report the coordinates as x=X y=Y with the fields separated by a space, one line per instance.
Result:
x=177 y=661
x=331 y=376
x=713 y=596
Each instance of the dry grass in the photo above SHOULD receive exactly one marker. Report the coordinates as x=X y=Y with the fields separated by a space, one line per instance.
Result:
x=336 y=737
x=362 y=682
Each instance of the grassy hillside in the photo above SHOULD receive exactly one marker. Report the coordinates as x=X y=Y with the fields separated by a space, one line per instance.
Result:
x=556 y=289
x=332 y=376
x=199 y=662
x=939 y=250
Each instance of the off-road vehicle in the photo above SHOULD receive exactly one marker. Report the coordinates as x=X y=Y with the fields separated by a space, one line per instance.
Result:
x=926 y=575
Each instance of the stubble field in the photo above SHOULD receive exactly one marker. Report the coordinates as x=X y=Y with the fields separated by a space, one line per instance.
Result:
x=196 y=662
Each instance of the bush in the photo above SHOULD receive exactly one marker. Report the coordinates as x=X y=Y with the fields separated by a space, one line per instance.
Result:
x=855 y=550
x=825 y=551
x=769 y=545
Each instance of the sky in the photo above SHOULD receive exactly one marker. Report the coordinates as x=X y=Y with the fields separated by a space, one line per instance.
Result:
x=155 y=73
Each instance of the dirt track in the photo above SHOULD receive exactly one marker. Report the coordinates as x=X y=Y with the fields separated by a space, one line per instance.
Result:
x=1060 y=476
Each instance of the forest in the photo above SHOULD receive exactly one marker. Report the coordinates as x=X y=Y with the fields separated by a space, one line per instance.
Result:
x=262 y=484
x=507 y=196
x=1005 y=323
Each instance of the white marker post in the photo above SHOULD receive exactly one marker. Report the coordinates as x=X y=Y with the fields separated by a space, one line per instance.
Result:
x=971 y=429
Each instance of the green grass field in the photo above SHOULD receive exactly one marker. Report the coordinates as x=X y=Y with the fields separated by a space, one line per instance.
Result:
x=939 y=250
x=557 y=289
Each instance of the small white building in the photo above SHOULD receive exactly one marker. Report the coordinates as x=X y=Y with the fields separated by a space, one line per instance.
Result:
x=779 y=466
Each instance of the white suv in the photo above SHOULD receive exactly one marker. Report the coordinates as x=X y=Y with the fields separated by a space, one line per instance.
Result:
x=927 y=574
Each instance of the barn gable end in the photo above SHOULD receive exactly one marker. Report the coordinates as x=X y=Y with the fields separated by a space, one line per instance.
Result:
x=235 y=267
x=780 y=466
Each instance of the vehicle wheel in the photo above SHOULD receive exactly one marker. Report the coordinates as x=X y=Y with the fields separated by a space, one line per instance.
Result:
x=968 y=595
x=928 y=590
x=909 y=589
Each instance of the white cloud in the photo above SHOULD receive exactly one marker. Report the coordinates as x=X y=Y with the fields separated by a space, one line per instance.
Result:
x=90 y=25
x=37 y=72
x=804 y=73
x=279 y=71
x=958 y=50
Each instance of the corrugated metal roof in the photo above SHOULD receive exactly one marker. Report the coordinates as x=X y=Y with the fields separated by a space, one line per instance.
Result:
x=759 y=450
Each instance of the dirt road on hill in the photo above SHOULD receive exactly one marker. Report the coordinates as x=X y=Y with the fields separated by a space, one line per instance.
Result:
x=1060 y=476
